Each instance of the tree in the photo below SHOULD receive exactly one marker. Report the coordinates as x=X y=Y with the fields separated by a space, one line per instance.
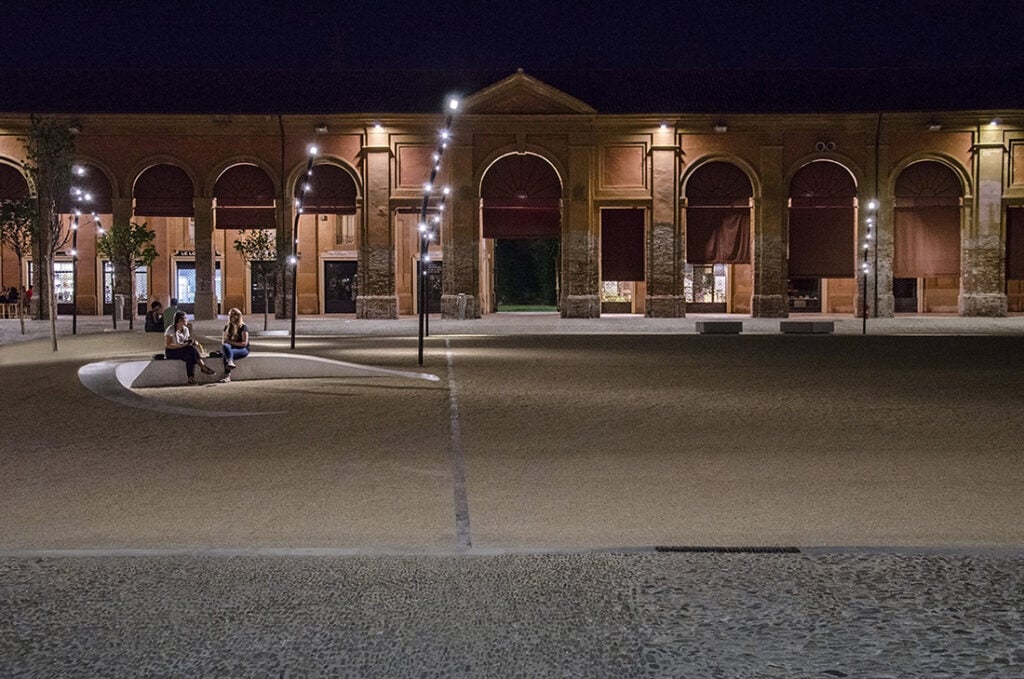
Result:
x=16 y=218
x=50 y=150
x=128 y=246
x=258 y=248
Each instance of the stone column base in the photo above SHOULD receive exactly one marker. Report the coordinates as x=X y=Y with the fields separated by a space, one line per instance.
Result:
x=769 y=306
x=666 y=306
x=582 y=306
x=983 y=304
x=457 y=307
x=377 y=307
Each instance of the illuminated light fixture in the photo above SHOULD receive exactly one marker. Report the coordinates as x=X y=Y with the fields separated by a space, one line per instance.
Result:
x=321 y=128
x=444 y=134
x=423 y=227
x=934 y=126
x=994 y=122
x=447 y=191
x=292 y=259
x=427 y=188
x=313 y=150
x=78 y=170
x=74 y=129
x=721 y=127
x=427 y=258
x=453 y=104
x=87 y=197
x=378 y=126
x=663 y=127
x=872 y=204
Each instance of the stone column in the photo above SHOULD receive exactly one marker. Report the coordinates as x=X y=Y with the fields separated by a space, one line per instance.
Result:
x=377 y=296
x=460 y=237
x=206 y=257
x=771 y=265
x=580 y=257
x=665 y=246
x=983 y=257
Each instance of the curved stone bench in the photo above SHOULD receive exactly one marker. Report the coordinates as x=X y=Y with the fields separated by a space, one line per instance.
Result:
x=259 y=366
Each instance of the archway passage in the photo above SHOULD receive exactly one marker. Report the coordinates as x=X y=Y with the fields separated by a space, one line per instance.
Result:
x=926 y=239
x=822 y=239
x=164 y=191
x=718 y=272
x=521 y=212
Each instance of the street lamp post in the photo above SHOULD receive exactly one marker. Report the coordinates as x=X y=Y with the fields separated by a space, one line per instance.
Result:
x=294 y=258
x=426 y=233
x=869 y=237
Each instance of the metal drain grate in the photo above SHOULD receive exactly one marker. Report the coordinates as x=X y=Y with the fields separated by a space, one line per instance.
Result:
x=731 y=550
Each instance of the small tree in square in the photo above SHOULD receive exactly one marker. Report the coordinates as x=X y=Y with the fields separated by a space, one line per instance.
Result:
x=128 y=246
x=50 y=149
x=16 y=217
x=258 y=249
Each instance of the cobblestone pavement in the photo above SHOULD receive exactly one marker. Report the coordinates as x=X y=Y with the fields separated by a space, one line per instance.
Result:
x=541 y=615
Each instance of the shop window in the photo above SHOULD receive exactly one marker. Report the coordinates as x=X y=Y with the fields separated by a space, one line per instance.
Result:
x=705 y=283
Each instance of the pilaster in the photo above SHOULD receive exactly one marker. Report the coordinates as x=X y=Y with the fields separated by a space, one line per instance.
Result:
x=665 y=248
x=983 y=263
x=580 y=257
x=377 y=297
x=460 y=241
x=771 y=266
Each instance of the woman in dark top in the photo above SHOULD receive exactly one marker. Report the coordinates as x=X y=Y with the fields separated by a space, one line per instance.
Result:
x=178 y=344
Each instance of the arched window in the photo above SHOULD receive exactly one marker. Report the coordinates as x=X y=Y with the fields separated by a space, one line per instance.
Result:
x=521 y=196
x=332 y=191
x=244 y=196
x=13 y=185
x=718 y=215
x=927 y=222
x=822 y=221
x=164 y=191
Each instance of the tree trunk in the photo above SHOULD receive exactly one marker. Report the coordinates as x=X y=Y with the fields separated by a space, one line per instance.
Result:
x=53 y=318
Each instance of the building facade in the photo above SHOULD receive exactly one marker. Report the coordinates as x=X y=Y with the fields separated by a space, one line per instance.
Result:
x=764 y=214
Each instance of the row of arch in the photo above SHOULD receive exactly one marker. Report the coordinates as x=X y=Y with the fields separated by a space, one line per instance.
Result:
x=244 y=193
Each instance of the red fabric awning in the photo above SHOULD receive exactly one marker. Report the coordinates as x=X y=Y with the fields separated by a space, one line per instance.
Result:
x=332 y=191
x=821 y=242
x=926 y=242
x=245 y=199
x=1015 y=242
x=717 y=235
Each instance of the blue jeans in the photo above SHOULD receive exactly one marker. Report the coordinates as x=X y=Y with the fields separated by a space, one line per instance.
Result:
x=231 y=354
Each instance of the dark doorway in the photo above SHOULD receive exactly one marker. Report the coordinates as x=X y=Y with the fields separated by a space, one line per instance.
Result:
x=904 y=292
x=434 y=270
x=256 y=292
x=525 y=274
x=340 y=287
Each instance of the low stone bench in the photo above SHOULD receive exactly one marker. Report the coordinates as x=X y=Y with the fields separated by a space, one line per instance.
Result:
x=807 y=327
x=257 y=366
x=719 y=327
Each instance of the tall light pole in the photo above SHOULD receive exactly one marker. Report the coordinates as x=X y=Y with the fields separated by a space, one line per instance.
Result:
x=294 y=258
x=78 y=196
x=869 y=241
x=426 y=233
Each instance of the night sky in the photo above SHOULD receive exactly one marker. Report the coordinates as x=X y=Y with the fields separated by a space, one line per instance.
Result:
x=533 y=35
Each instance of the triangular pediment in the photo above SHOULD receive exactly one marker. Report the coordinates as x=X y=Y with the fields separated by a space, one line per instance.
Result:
x=522 y=94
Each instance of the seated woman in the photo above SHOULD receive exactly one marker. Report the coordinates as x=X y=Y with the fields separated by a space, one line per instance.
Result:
x=179 y=345
x=235 y=342
x=155 y=318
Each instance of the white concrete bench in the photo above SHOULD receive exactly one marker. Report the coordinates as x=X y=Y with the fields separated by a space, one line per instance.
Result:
x=807 y=327
x=258 y=366
x=719 y=327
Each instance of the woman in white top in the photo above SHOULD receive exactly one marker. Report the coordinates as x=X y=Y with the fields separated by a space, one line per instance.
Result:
x=179 y=345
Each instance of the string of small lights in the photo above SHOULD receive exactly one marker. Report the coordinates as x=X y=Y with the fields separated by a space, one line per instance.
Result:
x=430 y=229
x=311 y=151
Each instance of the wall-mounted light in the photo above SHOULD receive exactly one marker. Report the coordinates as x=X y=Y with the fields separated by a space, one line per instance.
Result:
x=663 y=127
x=721 y=127
x=321 y=128
x=74 y=129
x=934 y=126
x=378 y=127
x=994 y=122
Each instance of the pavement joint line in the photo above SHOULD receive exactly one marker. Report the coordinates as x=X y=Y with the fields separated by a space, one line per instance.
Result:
x=355 y=552
x=463 y=536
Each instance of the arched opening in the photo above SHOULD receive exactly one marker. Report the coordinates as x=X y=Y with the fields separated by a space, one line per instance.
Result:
x=822 y=239
x=521 y=200
x=164 y=194
x=243 y=200
x=327 y=227
x=95 y=202
x=13 y=187
x=719 y=276
x=926 y=239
